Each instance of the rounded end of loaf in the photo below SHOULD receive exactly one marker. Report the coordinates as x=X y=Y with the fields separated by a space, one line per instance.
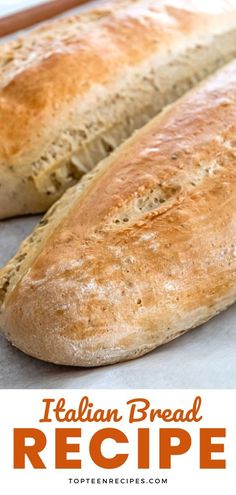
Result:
x=53 y=348
x=48 y=321
x=55 y=320
x=34 y=320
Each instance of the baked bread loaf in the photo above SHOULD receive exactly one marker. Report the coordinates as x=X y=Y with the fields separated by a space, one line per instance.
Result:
x=72 y=90
x=142 y=249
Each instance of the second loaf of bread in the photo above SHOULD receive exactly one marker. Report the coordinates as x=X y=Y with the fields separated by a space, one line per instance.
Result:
x=72 y=90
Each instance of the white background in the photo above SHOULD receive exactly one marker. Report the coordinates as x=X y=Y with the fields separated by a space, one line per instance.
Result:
x=23 y=409
x=10 y=6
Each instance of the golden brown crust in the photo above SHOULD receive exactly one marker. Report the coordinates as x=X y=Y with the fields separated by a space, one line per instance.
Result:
x=147 y=250
x=46 y=77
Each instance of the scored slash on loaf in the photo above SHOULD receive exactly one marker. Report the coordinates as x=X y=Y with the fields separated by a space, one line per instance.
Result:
x=142 y=249
x=74 y=89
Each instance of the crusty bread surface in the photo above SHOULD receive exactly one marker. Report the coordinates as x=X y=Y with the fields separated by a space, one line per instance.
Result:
x=74 y=89
x=142 y=249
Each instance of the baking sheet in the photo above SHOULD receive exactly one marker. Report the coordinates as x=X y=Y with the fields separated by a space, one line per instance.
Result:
x=203 y=358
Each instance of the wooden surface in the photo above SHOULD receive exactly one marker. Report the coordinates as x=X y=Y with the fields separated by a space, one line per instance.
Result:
x=28 y=17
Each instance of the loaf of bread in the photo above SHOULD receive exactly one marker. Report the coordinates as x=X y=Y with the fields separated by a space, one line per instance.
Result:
x=142 y=249
x=72 y=90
